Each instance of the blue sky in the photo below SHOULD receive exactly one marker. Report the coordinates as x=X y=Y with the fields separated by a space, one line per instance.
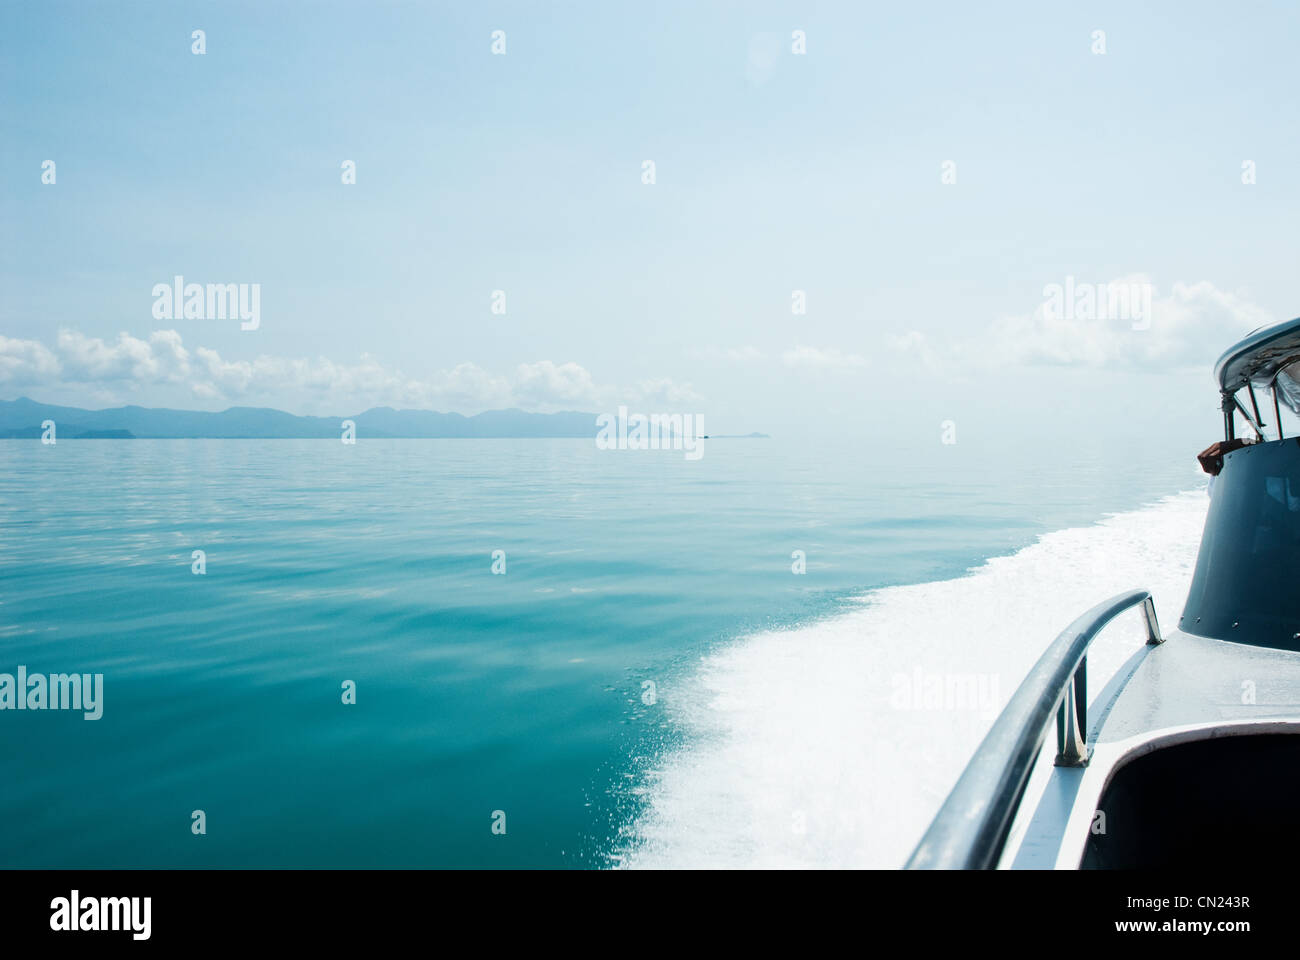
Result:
x=775 y=172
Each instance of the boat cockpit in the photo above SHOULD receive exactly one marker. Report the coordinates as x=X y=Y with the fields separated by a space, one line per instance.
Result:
x=1192 y=754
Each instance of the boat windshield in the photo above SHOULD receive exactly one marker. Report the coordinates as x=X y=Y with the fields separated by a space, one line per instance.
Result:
x=1244 y=588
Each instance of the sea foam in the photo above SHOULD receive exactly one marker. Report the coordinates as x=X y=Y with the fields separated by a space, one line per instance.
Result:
x=802 y=753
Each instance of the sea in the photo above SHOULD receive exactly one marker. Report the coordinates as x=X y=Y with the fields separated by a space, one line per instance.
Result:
x=534 y=653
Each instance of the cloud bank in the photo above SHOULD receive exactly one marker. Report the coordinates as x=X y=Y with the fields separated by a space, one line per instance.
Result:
x=1185 y=328
x=123 y=369
x=1180 y=329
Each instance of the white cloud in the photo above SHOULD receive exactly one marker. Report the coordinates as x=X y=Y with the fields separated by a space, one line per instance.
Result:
x=26 y=362
x=465 y=386
x=545 y=383
x=917 y=346
x=159 y=359
x=663 y=394
x=108 y=370
x=827 y=358
x=1185 y=327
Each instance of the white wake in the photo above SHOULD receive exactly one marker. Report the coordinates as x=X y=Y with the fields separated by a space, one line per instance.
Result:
x=828 y=746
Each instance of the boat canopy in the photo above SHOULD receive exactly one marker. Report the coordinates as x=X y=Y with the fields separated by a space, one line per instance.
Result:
x=1268 y=357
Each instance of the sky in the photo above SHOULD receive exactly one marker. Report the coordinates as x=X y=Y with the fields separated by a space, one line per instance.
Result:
x=922 y=172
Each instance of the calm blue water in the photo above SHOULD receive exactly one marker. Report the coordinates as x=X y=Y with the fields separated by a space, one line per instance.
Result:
x=475 y=692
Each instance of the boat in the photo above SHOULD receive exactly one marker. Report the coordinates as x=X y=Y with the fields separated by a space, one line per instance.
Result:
x=1190 y=754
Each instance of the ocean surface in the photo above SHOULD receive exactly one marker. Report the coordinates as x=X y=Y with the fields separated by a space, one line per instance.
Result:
x=647 y=684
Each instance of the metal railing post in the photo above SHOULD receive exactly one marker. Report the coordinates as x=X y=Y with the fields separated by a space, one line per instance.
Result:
x=1072 y=721
x=972 y=826
x=1149 y=618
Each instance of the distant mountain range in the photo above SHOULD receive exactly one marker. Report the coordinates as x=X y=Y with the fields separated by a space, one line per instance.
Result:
x=22 y=418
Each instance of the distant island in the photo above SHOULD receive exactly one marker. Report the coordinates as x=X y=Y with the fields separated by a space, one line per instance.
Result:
x=22 y=419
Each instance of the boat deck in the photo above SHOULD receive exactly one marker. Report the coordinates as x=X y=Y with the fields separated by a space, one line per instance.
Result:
x=1185 y=690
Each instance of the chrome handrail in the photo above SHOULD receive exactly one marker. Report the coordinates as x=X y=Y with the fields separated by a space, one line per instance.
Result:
x=971 y=827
